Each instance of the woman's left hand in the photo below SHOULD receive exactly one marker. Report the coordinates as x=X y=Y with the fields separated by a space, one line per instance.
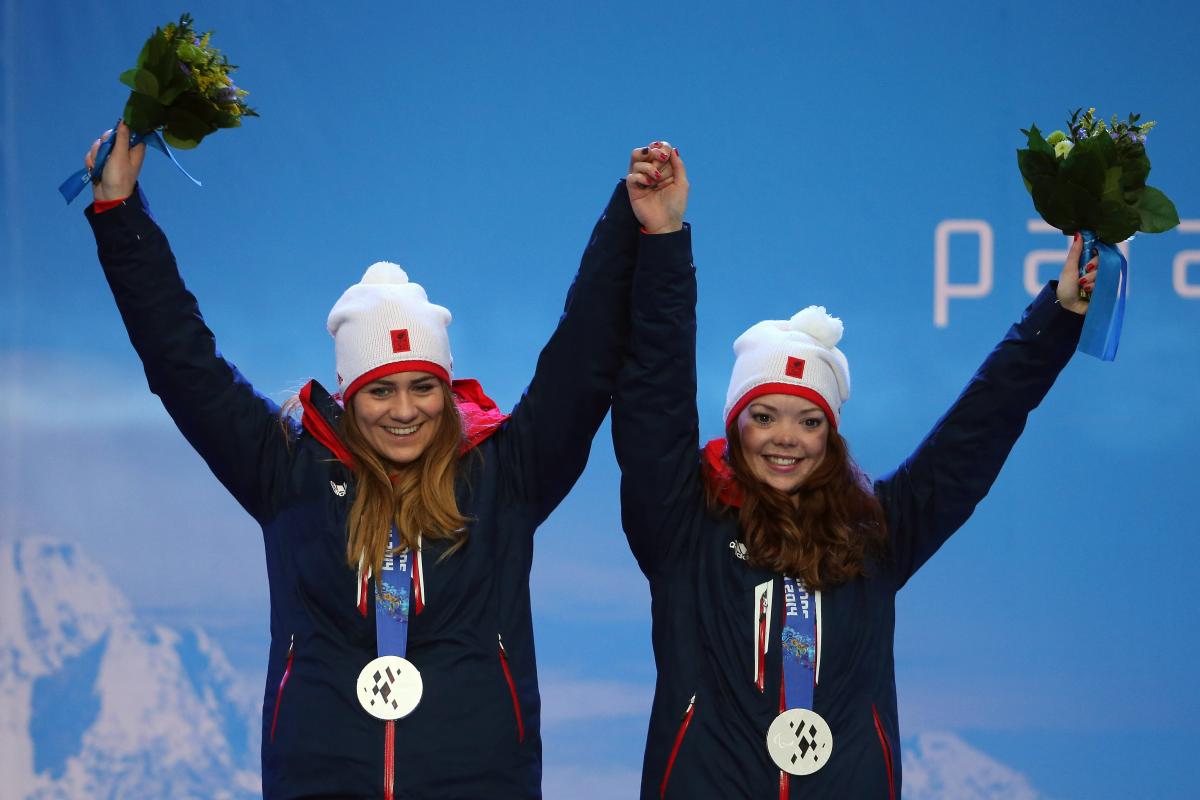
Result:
x=658 y=187
x=1069 y=282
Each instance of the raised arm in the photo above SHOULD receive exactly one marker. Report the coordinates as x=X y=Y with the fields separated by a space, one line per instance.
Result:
x=655 y=425
x=233 y=428
x=937 y=488
x=546 y=442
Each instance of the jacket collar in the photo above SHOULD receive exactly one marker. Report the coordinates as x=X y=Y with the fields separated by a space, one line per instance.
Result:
x=322 y=412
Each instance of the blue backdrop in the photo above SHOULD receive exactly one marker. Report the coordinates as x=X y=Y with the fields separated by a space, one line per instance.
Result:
x=849 y=155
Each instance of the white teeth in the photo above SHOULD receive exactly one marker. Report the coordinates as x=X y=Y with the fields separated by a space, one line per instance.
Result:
x=401 y=431
x=781 y=461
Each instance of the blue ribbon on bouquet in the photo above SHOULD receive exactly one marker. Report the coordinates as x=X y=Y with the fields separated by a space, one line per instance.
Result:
x=1106 y=310
x=73 y=185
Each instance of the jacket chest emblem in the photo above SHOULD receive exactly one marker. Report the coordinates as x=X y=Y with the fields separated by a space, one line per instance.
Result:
x=338 y=488
x=739 y=550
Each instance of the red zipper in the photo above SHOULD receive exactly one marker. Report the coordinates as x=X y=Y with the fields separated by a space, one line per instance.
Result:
x=512 y=690
x=389 y=760
x=887 y=753
x=683 y=726
x=287 y=671
x=763 y=631
x=785 y=778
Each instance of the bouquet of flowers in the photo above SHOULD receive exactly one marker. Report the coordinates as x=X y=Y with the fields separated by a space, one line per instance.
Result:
x=1091 y=180
x=182 y=91
x=1093 y=177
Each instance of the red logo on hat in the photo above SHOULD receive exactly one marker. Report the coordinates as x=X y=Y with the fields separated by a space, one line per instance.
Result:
x=795 y=368
x=400 y=341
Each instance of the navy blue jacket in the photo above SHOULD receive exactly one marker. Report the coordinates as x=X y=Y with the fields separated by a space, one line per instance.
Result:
x=476 y=731
x=707 y=736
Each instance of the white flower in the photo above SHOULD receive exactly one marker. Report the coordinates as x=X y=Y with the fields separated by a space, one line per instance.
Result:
x=1062 y=148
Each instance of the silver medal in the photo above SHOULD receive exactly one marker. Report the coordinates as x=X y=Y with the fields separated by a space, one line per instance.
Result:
x=799 y=741
x=389 y=687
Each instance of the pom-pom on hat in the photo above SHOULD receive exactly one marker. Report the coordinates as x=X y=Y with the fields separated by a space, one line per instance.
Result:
x=796 y=356
x=385 y=324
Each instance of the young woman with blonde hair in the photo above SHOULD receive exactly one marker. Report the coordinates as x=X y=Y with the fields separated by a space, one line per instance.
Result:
x=398 y=518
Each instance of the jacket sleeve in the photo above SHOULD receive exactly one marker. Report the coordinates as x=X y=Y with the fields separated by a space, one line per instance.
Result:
x=546 y=442
x=655 y=424
x=937 y=488
x=234 y=429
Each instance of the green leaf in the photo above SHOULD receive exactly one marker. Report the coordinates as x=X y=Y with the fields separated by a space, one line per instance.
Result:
x=144 y=53
x=1085 y=168
x=1134 y=172
x=1156 y=212
x=187 y=126
x=1115 y=222
x=1054 y=204
x=1037 y=143
x=127 y=77
x=156 y=45
x=168 y=96
x=1034 y=164
x=176 y=142
x=143 y=113
x=1112 y=192
x=1104 y=147
x=145 y=83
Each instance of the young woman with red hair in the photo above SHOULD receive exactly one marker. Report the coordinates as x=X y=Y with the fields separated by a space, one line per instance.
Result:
x=773 y=562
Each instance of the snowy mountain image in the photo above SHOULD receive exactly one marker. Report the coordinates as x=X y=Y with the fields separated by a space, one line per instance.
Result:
x=941 y=766
x=95 y=704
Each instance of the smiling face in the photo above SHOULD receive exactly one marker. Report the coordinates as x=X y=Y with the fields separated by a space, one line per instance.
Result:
x=783 y=439
x=399 y=414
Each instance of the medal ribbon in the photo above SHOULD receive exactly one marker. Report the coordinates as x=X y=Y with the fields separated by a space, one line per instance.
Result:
x=799 y=646
x=398 y=584
x=73 y=185
x=1106 y=310
x=393 y=592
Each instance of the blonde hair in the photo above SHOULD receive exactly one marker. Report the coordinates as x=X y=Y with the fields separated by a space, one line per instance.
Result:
x=418 y=498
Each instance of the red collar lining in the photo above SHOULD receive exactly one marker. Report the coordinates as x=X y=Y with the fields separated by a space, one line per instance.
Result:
x=718 y=475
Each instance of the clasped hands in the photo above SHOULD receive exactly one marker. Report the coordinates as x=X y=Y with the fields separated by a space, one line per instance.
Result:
x=658 y=187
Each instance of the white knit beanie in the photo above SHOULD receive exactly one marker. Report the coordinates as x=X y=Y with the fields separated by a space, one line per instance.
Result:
x=385 y=324
x=796 y=356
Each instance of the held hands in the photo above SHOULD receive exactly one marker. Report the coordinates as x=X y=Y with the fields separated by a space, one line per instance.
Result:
x=122 y=168
x=658 y=187
x=1070 y=285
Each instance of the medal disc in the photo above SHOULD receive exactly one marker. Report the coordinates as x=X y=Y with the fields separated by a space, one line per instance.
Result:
x=799 y=741
x=389 y=687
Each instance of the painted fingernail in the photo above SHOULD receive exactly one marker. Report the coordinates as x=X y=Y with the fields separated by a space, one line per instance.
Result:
x=663 y=156
x=645 y=151
x=657 y=175
x=1076 y=237
x=1091 y=267
x=676 y=151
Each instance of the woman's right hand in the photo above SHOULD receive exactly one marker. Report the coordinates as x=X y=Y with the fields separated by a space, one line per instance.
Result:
x=121 y=170
x=658 y=187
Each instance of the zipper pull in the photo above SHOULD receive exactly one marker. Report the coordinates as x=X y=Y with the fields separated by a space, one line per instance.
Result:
x=500 y=639
x=691 y=705
x=291 y=645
